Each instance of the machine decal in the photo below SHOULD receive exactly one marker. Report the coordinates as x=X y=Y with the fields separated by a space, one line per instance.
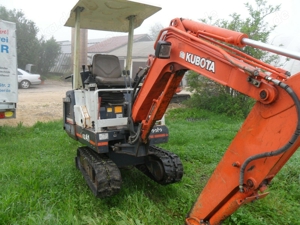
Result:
x=69 y=120
x=78 y=135
x=156 y=130
x=158 y=135
x=86 y=137
x=105 y=143
x=99 y=144
x=103 y=136
x=196 y=60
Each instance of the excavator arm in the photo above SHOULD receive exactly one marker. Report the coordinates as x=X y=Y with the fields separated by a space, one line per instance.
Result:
x=269 y=135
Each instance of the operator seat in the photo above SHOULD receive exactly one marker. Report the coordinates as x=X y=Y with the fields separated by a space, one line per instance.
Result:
x=107 y=71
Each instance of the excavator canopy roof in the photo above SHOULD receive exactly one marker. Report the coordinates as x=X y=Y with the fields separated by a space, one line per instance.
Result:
x=110 y=15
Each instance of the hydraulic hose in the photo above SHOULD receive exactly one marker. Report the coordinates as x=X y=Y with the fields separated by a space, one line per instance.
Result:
x=137 y=84
x=287 y=145
x=133 y=138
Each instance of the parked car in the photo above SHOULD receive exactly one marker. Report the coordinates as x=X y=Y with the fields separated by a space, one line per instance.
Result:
x=26 y=79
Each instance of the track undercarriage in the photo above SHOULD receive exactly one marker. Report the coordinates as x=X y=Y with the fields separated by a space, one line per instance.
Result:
x=101 y=174
x=162 y=166
x=104 y=178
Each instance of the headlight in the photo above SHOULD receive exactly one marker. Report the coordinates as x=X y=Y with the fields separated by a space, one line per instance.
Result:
x=163 y=49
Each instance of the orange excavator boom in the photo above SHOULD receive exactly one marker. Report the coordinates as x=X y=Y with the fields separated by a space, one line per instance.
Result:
x=270 y=133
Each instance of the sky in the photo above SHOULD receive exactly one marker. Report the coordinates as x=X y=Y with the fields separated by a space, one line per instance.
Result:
x=50 y=16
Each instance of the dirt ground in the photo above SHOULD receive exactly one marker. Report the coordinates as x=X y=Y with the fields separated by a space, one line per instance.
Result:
x=40 y=103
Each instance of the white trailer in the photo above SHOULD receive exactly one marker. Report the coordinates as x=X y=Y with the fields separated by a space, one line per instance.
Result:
x=8 y=70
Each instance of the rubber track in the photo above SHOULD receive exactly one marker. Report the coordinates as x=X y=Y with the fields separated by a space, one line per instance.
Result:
x=107 y=175
x=173 y=169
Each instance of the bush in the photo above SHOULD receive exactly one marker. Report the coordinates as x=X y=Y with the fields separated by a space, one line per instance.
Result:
x=217 y=98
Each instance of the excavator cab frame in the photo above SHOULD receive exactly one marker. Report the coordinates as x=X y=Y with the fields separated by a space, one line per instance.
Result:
x=98 y=115
x=119 y=16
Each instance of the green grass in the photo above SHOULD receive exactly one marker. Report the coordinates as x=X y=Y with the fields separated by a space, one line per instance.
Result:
x=40 y=185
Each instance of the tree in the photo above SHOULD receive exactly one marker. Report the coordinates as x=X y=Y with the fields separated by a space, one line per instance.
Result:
x=31 y=49
x=49 y=51
x=155 y=29
x=26 y=31
x=255 y=27
x=213 y=96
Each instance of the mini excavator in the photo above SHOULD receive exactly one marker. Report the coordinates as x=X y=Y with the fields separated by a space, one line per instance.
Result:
x=120 y=121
